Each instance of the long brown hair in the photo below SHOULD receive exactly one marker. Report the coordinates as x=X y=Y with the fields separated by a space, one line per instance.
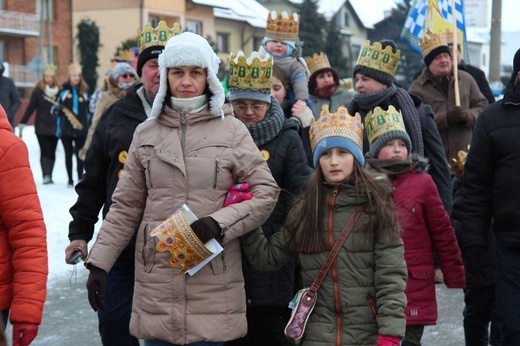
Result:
x=307 y=216
x=41 y=83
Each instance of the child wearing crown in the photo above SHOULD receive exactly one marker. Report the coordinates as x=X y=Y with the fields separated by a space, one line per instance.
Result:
x=282 y=42
x=369 y=264
x=45 y=122
x=425 y=225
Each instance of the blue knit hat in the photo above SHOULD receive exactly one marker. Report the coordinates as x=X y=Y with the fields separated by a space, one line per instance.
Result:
x=121 y=68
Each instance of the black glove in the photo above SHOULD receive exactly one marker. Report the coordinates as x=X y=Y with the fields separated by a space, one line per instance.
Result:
x=457 y=116
x=96 y=283
x=206 y=228
x=475 y=261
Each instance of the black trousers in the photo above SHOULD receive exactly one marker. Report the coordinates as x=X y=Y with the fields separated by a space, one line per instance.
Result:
x=72 y=145
x=479 y=312
x=48 y=146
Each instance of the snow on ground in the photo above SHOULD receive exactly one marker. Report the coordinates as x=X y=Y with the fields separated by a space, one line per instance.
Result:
x=56 y=200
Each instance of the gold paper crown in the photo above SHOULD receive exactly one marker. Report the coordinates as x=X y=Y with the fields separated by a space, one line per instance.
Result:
x=339 y=124
x=457 y=164
x=431 y=42
x=253 y=72
x=281 y=27
x=74 y=68
x=317 y=62
x=378 y=122
x=377 y=58
x=50 y=69
x=125 y=56
x=158 y=36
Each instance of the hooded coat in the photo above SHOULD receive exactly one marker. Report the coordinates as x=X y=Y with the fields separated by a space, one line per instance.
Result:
x=186 y=158
x=23 y=237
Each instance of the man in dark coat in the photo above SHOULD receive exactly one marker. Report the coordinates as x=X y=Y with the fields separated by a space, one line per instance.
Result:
x=478 y=75
x=104 y=163
x=490 y=197
x=9 y=96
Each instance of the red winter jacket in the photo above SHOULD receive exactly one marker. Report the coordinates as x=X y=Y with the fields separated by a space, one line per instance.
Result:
x=23 y=244
x=425 y=225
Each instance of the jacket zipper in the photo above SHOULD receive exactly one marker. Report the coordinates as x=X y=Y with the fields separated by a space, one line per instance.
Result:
x=183 y=130
x=225 y=229
x=217 y=169
x=148 y=173
x=334 y=268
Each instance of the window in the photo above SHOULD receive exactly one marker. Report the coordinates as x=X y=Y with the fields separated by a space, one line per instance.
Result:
x=194 y=26
x=346 y=19
x=154 y=21
x=223 y=42
x=356 y=48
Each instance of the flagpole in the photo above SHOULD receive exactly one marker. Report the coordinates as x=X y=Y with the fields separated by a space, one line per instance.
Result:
x=455 y=54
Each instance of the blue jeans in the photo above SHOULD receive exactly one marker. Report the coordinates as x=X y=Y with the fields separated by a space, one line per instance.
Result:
x=166 y=343
x=114 y=321
x=507 y=292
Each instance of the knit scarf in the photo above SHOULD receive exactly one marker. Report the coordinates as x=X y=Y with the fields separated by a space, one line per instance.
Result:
x=368 y=101
x=51 y=92
x=390 y=167
x=264 y=131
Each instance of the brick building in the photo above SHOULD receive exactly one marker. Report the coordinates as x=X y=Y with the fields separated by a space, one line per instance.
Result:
x=22 y=25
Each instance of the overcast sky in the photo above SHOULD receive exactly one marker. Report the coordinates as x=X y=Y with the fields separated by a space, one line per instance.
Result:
x=510 y=12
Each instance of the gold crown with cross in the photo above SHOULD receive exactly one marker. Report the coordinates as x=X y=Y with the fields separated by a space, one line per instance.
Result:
x=317 y=62
x=282 y=27
x=158 y=36
x=339 y=124
x=253 y=72
x=375 y=57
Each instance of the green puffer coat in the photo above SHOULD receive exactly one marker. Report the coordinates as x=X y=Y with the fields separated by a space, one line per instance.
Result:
x=365 y=266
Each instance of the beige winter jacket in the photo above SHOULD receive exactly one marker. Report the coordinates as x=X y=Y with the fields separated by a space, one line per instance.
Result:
x=191 y=158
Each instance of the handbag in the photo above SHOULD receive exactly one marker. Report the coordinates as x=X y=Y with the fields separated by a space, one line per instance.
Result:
x=304 y=301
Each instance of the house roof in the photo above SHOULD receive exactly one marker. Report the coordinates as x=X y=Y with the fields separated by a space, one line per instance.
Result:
x=250 y=11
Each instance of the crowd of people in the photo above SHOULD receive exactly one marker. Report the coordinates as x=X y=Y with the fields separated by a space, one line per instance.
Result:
x=273 y=170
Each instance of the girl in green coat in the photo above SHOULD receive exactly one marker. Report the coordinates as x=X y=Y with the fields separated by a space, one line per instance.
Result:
x=370 y=266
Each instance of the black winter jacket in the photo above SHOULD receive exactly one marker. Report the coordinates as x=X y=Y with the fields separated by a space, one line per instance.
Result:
x=491 y=188
x=45 y=121
x=480 y=77
x=288 y=165
x=63 y=125
x=104 y=163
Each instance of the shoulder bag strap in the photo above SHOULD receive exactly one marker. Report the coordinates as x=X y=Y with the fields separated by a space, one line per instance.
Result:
x=337 y=246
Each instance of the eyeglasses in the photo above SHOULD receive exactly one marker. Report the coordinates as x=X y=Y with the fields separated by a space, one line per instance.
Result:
x=127 y=75
x=254 y=108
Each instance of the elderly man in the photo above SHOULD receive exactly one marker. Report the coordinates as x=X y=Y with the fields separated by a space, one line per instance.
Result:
x=436 y=86
x=103 y=165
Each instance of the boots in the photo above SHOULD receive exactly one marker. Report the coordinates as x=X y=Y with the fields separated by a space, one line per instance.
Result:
x=47 y=166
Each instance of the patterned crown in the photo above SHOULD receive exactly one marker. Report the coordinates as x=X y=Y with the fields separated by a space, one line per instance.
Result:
x=346 y=83
x=379 y=122
x=282 y=27
x=317 y=62
x=377 y=58
x=158 y=36
x=457 y=164
x=339 y=124
x=125 y=56
x=253 y=72
x=50 y=69
x=431 y=42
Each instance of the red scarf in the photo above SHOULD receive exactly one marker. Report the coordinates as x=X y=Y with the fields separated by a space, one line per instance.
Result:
x=325 y=92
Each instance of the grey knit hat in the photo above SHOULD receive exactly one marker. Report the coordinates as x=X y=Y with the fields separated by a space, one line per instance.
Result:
x=121 y=68
x=263 y=95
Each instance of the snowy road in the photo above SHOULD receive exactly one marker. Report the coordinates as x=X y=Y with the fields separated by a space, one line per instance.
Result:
x=68 y=318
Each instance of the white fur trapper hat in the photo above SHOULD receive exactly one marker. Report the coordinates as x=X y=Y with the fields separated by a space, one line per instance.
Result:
x=189 y=49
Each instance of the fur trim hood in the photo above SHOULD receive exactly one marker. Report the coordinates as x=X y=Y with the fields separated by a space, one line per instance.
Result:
x=420 y=164
x=189 y=49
